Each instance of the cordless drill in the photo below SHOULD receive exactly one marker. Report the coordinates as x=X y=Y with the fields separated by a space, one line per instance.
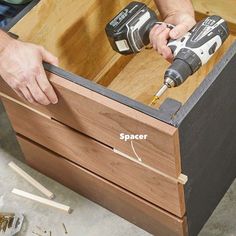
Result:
x=129 y=32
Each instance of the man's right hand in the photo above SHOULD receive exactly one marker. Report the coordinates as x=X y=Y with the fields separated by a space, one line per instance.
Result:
x=21 y=68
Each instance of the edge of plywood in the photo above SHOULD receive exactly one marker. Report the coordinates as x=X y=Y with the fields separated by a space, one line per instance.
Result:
x=155 y=113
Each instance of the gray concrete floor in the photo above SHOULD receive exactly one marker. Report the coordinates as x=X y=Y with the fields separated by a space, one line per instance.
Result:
x=88 y=218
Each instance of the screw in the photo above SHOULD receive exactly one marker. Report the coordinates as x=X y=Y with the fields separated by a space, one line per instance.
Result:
x=66 y=232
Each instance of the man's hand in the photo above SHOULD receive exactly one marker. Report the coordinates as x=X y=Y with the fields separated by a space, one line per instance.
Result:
x=21 y=67
x=181 y=15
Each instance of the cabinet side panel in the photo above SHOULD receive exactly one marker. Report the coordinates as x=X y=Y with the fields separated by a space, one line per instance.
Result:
x=207 y=143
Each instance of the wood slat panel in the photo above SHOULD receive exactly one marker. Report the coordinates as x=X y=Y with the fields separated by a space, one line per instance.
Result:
x=116 y=199
x=104 y=119
x=98 y=158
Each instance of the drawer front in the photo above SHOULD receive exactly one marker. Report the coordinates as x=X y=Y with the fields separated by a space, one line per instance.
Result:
x=105 y=119
x=116 y=199
x=128 y=173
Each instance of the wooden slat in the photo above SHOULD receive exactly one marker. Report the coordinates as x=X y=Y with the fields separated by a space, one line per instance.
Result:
x=104 y=119
x=98 y=158
x=116 y=199
x=73 y=31
x=225 y=9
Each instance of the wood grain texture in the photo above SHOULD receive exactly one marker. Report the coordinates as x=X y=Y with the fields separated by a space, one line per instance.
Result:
x=98 y=158
x=73 y=31
x=225 y=9
x=129 y=206
x=112 y=69
x=143 y=76
x=104 y=119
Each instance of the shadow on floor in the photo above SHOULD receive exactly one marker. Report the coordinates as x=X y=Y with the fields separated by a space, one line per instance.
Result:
x=8 y=141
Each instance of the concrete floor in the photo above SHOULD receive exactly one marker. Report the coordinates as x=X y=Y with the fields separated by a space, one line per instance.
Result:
x=88 y=218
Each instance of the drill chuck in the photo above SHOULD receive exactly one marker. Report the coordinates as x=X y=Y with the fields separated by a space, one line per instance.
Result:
x=168 y=83
x=178 y=72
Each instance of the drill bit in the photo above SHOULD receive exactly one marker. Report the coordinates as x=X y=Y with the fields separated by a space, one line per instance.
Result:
x=154 y=100
x=168 y=83
x=158 y=94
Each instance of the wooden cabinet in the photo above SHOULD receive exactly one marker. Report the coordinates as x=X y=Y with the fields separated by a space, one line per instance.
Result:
x=167 y=180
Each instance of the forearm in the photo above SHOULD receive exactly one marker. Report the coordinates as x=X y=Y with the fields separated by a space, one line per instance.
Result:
x=170 y=7
x=5 y=39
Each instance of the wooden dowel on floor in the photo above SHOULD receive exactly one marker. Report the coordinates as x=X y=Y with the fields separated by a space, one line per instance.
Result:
x=42 y=200
x=32 y=181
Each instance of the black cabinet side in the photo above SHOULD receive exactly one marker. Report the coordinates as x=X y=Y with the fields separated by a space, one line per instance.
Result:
x=207 y=129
